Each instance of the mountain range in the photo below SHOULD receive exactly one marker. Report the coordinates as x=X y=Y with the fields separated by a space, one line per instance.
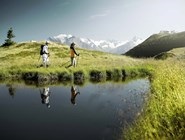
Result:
x=158 y=43
x=110 y=46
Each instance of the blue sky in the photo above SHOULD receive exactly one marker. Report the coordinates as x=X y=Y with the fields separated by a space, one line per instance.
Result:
x=95 y=19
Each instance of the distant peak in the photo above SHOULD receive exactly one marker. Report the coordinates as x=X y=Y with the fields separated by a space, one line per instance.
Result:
x=135 y=38
x=112 y=46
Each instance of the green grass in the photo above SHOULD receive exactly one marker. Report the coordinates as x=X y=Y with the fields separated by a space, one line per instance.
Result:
x=164 y=114
x=24 y=57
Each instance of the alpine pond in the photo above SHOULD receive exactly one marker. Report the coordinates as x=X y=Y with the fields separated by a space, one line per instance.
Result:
x=93 y=111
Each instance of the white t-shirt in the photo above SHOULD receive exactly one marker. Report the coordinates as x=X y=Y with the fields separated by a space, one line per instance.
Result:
x=45 y=49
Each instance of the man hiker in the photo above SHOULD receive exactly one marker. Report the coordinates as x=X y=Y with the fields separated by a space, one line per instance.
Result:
x=45 y=55
x=72 y=55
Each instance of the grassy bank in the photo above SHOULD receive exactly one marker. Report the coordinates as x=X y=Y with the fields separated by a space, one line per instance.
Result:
x=164 y=114
x=21 y=61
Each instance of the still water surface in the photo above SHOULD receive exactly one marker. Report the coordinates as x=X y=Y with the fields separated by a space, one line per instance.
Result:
x=90 y=112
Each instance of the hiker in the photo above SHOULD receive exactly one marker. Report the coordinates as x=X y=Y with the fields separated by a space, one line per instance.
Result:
x=74 y=93
x=45 y=55
x=72 y=55
x=45 y=94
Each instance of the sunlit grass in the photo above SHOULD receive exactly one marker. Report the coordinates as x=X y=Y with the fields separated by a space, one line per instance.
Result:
x=164 y=114
x=26 y=57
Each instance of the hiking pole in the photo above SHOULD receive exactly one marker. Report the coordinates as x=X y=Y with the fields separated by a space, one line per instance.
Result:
x=78 y=89
x=77 y=60
x=39 y=58
x=65 y=63
x=38 y=61
x=47 y=60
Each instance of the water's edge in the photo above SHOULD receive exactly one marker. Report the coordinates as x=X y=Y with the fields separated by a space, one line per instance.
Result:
x=78 y=76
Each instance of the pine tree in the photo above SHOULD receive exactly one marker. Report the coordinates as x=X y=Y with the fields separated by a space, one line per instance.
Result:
x=10 y=35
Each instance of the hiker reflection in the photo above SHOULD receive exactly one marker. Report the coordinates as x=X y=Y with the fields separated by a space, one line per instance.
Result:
x=45 y=96
x=74 y=93
x=11 y=90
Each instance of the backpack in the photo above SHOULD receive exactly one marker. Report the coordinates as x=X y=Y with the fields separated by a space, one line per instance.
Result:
x=41 y=49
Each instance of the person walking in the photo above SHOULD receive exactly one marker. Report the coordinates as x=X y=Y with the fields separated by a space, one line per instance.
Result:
x=73 y=55
x=45 y=55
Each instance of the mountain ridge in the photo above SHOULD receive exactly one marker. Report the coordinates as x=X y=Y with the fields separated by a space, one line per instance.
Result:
x=158 y=43
x=110 y=46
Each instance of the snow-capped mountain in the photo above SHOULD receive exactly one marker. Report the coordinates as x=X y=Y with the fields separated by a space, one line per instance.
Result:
x=127 y=46
x=111 y=46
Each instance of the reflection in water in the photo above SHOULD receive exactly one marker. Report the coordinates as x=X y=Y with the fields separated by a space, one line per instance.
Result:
x=11 y=89
x=74 y=93
x=101 y=113
x=45 y=94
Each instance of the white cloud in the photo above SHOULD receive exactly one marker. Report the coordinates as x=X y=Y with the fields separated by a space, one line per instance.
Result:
x=97 y=16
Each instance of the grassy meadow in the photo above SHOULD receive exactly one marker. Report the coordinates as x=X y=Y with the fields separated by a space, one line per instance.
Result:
x=24 y=57
x=163 y=116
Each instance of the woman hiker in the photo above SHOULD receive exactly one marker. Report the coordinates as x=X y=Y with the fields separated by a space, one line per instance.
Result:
x=73 y=53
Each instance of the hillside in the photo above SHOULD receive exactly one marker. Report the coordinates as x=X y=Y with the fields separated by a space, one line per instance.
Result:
x=158 y=43
x=179 y=53
x=22 y=60
x=27 y=55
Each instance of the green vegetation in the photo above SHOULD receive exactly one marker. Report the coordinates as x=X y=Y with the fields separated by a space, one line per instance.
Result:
x=158 y=43
x=164 y=114
x=10 y=35
x=164 y=55
x=22 y=61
